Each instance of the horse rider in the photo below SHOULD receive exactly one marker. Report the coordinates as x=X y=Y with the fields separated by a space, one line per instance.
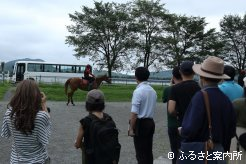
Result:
x=88 y=74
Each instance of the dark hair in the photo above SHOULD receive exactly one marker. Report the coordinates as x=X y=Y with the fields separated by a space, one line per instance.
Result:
x=176 y=73
x=142 y=73
x=25 y=105
x=215 y=81
x=230 y=71
x=186 y=68
x=89 y=66
x=94 y=107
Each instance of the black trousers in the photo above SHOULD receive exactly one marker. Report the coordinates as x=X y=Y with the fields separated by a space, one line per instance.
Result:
x=175 y=141
x=143 y=142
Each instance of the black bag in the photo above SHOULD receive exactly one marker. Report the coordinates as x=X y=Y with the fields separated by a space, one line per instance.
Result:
x=241 y=140
x=104 y=138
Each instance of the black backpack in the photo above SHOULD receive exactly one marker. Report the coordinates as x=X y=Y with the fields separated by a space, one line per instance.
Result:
x=104 y=139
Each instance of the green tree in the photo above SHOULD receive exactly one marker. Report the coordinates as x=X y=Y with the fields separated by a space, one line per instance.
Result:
x=102 y=34
x=233 y=30
x=186 y=39
x=211 y=45
x=147 y=16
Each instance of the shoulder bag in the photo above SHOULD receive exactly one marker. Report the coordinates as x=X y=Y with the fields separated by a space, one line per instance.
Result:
x=197 y=152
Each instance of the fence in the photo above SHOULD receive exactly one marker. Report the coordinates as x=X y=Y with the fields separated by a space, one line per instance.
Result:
x=125 y=81
x=4 y=77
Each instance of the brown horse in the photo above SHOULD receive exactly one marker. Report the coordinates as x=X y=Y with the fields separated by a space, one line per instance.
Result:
x=75 y=82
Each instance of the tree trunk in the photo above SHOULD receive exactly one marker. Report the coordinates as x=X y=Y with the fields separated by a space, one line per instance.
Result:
x=109 y=72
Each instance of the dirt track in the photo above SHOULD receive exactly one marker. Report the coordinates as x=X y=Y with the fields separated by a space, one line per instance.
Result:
x=65 y=122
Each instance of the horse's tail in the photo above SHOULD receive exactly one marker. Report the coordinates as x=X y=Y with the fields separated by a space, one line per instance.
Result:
x=66 y=85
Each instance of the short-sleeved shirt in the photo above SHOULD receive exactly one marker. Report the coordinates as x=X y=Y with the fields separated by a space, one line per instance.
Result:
x=31 y=148
x=182 y=94
x=223 y=118
x=144 y=100
x=231 y=89
x=171 y=120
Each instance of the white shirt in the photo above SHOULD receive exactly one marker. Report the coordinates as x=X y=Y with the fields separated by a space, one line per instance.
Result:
x=144 y=100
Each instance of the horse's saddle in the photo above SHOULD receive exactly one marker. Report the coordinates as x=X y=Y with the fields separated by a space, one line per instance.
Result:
x=86 y=83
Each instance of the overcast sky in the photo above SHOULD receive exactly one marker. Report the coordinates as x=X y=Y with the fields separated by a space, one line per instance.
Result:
x=37 y=29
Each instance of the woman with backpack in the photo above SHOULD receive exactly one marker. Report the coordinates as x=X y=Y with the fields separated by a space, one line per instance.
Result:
x=97 y=133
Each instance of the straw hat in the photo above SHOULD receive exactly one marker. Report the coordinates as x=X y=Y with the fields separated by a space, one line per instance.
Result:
x=212 y=67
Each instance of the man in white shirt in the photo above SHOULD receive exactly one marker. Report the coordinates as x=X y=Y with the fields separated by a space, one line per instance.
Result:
x=142 y=125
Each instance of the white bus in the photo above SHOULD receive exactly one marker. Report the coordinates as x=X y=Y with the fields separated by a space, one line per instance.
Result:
x=46 y=72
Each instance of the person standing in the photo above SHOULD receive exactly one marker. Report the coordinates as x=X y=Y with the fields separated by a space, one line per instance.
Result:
x=172 y=122
x=229 y=87
x=181 y=94
x=28 y=122
x=241 y=76
x=240 y=109
x=106 y=149
x=223 y=118
x=142 y=126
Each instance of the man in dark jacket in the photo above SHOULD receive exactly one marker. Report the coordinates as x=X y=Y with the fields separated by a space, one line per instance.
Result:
x=223 y=117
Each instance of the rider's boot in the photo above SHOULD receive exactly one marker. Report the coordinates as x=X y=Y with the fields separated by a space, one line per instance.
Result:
x=90 y=86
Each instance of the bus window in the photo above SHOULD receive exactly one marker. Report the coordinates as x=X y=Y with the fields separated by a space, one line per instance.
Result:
x=66 y=68
x=50 y=68
x=34 y=67
x=80 y=69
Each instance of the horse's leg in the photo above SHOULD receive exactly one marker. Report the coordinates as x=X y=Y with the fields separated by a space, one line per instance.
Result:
x=68 y=97
x=72 y=98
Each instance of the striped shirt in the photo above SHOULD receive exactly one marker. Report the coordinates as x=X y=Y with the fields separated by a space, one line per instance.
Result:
x=31 y=148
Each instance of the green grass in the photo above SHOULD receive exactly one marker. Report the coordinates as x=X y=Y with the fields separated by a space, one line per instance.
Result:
x=4 y=87
x=113 y=93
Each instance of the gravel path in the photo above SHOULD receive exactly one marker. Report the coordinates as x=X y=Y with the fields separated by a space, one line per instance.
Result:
x=65 y=123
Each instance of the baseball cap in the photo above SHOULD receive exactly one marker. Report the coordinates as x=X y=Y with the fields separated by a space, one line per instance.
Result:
x=95 y=96
x=186 y=68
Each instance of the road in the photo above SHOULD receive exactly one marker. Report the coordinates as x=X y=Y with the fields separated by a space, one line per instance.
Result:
x=65 y=123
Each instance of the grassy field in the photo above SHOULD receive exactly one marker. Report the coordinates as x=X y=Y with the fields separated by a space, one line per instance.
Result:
x=113 y=92
x=4 y=87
